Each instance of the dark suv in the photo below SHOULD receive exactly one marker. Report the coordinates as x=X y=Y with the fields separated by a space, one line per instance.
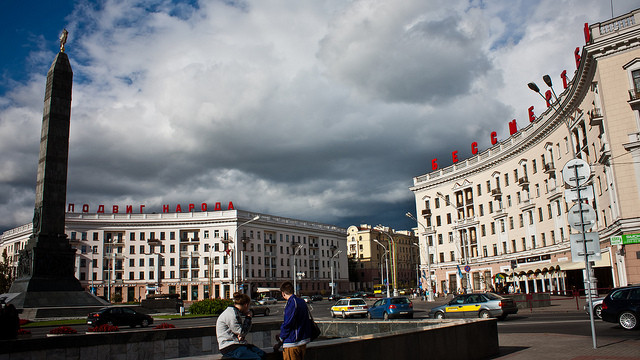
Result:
x=622 y=306
x=119 y=316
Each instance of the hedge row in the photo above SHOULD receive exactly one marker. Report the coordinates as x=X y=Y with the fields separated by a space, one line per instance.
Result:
x=210 y=306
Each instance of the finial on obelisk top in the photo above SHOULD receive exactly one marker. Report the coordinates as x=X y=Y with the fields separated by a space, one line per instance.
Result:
x=63 y=39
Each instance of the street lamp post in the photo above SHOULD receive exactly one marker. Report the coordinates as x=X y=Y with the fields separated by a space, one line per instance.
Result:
x=333 y=284
x=429 y=290
x=418 y=266
x=386 y=262
x=234 y=259
x=392 y=251
x=297 y=248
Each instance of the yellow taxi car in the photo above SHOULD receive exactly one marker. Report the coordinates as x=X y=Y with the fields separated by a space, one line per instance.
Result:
x=476 y=305
x=349 y=307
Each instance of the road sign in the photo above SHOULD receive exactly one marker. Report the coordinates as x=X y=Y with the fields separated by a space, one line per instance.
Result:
x=569 y=172
x=571 y=195
x=577 y=220
x=577 y=246
x=467 y=268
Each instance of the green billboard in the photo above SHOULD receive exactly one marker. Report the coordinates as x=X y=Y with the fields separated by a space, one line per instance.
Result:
x=625 y=239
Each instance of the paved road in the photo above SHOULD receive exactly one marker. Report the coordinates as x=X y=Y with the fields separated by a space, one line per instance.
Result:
x=518 y=332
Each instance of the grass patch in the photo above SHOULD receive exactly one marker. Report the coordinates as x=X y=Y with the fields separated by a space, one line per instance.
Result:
x=55 y=323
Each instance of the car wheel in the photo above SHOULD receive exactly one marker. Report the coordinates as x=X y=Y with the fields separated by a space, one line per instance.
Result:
x=333 y=314
x=439 y=315
x=344 y=315
x=266 y=312
x=144 y=323
x=484 y=314
x=597 y=311
x=628 y=320
x=369 y=316
x=385 y=316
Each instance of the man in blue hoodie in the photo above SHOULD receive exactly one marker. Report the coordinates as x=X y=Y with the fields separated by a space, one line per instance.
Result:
x=295 y=331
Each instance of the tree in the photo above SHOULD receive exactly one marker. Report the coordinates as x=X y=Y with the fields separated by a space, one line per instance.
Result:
x=5 y=273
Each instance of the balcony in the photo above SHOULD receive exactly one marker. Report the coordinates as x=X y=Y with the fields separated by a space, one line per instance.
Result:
x=634 y=98
x=426 y=212
x=496 y=193
x=523 y=182
x=595 y=117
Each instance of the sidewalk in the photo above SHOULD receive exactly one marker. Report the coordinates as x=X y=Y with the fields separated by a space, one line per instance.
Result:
x=517 y=346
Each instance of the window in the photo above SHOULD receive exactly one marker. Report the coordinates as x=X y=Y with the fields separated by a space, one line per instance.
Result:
x=485 y=253
x=483 y=230
x=495 y=249
x=141 y=275
x=524 y=244
x=493 y=228
x=142 y=238
x=479 y=188
x=141 y=249
x=510 y=222
x=488 y=186
x=506 y=179
x=535 y=167
x=491 y=207
x=206 y=234
x=521 y=220
x=141 y=262
x=635 y=75
x=441 y=257
x=539 y=214
x=449 y=218
x=452 y=256
x=481 y=209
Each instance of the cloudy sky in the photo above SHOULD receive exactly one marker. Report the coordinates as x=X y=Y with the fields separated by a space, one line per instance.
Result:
x=316 y=110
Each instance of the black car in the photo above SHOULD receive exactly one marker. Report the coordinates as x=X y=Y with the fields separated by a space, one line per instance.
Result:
x=119 y=316
x=316 y=298
x=622 y=306
x=335 y=297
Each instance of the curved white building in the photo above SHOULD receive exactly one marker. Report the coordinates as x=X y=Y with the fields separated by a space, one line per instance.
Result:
x=129 y=256
x=502 y=214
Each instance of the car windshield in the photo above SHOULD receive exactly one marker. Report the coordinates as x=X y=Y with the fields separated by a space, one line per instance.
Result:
x=358 y=302
x=620 y=294
x=399 y=301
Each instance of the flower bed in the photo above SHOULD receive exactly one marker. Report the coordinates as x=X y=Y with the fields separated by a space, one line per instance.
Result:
x=165 y=326
x=24 y=332
x=104 y=328
x=62 y=330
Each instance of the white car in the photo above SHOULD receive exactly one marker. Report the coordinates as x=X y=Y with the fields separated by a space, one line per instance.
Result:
x=597 y=307
x=268 y=301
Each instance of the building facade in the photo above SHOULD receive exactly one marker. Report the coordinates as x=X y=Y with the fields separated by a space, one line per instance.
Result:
x=128 y=256
x=368 y=259
x=499 y=218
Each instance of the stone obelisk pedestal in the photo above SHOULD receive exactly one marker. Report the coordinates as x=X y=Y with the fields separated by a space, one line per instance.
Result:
x=46 y=265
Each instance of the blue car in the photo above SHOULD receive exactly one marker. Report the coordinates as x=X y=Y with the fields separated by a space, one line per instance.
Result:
x=389 y=308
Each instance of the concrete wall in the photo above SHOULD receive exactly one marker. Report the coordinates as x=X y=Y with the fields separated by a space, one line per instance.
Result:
x=451 y=339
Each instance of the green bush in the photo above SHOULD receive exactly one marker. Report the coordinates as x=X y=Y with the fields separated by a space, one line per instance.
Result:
x=210 y=307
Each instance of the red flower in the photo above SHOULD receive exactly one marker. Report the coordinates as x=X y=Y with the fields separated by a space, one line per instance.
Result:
x=63 y=330
x=24 y=332
x=104 y=328
x=165 y=326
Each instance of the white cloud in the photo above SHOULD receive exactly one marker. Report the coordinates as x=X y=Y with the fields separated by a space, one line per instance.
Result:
x=316 y=110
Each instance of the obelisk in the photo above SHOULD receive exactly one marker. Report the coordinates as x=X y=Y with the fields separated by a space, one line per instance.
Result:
x=46 y=265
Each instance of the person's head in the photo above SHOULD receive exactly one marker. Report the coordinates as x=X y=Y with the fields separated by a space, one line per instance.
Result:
x=241 y=301
x=287 y=289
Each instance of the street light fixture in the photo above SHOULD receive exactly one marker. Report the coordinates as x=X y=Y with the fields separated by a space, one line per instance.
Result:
x=536 y=89
x=333 y=285
x=297 y=248
x=234 y=258
x=429 y=289
x=386 y=261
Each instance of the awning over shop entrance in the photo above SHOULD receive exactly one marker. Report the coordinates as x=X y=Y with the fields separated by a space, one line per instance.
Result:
x=569 y=265
x=560 y=266
x=264 y=289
